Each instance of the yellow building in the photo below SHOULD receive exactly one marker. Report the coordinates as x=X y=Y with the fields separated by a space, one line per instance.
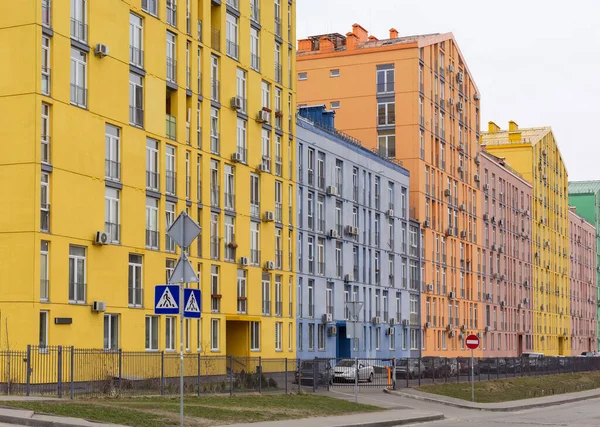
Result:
x=534 y=153
x=122 y=114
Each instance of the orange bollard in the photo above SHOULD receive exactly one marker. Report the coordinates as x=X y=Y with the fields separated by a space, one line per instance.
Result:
x=389 y=371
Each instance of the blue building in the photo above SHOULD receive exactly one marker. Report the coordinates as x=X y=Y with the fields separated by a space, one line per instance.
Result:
x=355 y=243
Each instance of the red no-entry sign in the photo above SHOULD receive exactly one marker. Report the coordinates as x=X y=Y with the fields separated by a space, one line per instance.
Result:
x=472 y=342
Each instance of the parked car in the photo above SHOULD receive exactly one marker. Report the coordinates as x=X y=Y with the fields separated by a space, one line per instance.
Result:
x=345 y=370
x=436 y=366
x=309 y=369
x=493 y=364
x=409 y=367
x=590 y=354
x=465 y=366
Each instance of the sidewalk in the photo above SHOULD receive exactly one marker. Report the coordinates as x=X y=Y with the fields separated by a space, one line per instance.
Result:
x=30 y=418
x=515 y=405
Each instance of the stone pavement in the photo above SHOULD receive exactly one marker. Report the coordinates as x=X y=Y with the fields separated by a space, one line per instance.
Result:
x=30 y=418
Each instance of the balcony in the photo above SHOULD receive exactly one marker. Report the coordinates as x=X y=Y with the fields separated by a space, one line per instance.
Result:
x=152 y=181
x=136 y=116
x=215 y=39
x=78 y=95
x=79 y=30
x=215 y=146
x=45 y=153
x=171 y=182
x=135 y=297
x=45 y=217
x=214 y=90
x=171 y=70
x=171 y=130
x=114 y=231
x=136 y=56
x=152 y=239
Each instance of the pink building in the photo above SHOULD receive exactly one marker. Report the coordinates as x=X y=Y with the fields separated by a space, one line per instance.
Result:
x=582 y=239
x=506 y=259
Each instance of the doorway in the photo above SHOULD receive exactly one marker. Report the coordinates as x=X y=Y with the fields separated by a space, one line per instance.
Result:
x=343 y=344
x=520 y=346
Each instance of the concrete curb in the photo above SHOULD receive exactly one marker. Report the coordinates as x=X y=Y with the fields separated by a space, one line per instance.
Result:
x=397 y=422
x=26 y=417
x=428 y=397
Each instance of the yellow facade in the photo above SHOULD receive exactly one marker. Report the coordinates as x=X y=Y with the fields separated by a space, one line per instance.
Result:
x=534 y=153
x=73 y=156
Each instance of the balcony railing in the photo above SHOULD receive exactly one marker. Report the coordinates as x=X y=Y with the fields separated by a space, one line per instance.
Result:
x=214 y=90
x=232 y=48
x=79 y=30
x=45 y=154
x=44 y=287
x=171 y=70
x=255 y=61
x=135 y=297
x=266 y=307
x=78 y=95
x=278 y=308
x=229 y=201
x=136 y=116
x=243 y=152
x=278 y=73
x=136 y=56
x=214 y=196
x=113 y=230
x=215 y=146
x=45 y=217
x=153 y=180
x=255 y=256
x=278 y=26
x=152 y=239
x=171 y=128
x=77 y=292
x=171 y=177
x=215 y=39
x=215 y=247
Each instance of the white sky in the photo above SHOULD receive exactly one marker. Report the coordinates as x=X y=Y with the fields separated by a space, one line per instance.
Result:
x=536 y=62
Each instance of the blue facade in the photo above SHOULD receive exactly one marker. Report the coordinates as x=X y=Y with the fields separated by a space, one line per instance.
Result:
x=355 y=243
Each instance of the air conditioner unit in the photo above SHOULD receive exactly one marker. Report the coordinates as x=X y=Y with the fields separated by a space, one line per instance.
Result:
x=390 y=331
x=503 y=304
x=495 y=275
x=562 y=313
x=487 y=329
x=477 y=179
x=542 y=307
x=493 y=248
x=486 y=187
x=526 y=301
x=449 y=327
x=452 y=334
x=349 y=277
x=426 y=224
x=493 y=219
x=101 y=50
x=98 y=306
x=450 y=68
x=460 y=76
x=463 y=328
x=269 y=265
x=479 y=335
x=390 y=212
x=490 y=296
x=460 y=169
x=447 y=192
x=452 y=295
x=463 y=207
x=262 y=116
x=500 y=222
x=427 y=325
x=405 y=322
x=451 y=101
x=332 y=331
x=376 y=320
x=544 y=152
x=392 y=321
x=332 y=191
x=449 y=232
x=327 y=317
x=236 y=157
x=352 y=230
x=520 y=306
x=269 y=216
x=463 y=234
x=236 y=103
x=101 y=238
x=476 y=97
x=460 y=106
x=430 y=287
x=244 y=261
x=263 y=168
x=543 y=338
x=486 y=217
x=501 y=249
x=333 y=234
x=461 y=336
x=503 y=277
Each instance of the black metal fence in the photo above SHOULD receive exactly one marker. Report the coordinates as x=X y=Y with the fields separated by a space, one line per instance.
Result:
x=70 y=372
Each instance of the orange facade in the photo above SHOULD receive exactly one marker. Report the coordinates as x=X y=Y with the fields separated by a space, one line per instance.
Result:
x=413 y=99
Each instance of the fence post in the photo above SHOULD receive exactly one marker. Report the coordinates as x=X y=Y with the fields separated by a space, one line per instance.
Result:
x=286 y=375
x=497 y=368
x=420 y=361
x=314 y=378
x=59 y=371
x=299 y=375
x=72 y=391
x=231 y=375
x=162 y=373
x=198 y=374
x=259 y=374
x=120 y=369
x=28 y=386
x=458 y=369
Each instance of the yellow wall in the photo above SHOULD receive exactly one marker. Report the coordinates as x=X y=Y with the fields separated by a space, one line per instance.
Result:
x=78 y=185
x=526 y=159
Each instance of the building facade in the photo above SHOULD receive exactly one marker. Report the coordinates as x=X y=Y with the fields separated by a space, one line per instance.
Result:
x=506 y=259
x=128 y=113
x=417 y=90
x=534 y=153
x=355 y=243
x=583 y=285
x=585 y=196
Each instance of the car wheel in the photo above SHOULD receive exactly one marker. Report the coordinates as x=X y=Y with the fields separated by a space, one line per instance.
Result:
x=371 y=377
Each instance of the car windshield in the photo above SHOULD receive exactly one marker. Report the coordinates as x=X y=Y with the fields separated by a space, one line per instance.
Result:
x=346 y=363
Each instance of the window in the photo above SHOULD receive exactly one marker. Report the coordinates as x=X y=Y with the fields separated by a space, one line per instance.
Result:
x=311 y=337
x=169 y=267
x=230 y=244
x=335 y=105
x=152 y=165
x=290 y=336
x=215 y=244
x=188 y=176
x=112 y=215
x=136 y=40
x=300 y=337
x=214 y=334
x=150 y=6
x=302 y=76
x=377 y=338
x=321 y=256
x=278 y=110
x=214 y=131
x=278 y=335
x=136 y=100
x=47 y=13
x=254 y=49
x=266 y=294
x=278 y=249
x=385 y=80
x=112 y=168
x=152 y=332
x=135 y=280
x=277 y=15
x=45 y=202
x=45 y=66
x=278 y=67
x=321 y=336
x=392 y=340
x=278 y=201
x=254 y=336
x=111 y=331
x=229 y=188
x=266 y=150
x=171 y=57
x=254 y=196
x=78 y=78
x=45 y=137
x=387 y=145
x=241 y=92
x=254 y=243
x=266 y=95
x=152 y=239
x=170 y=333
x=169 y=219
x=214 y=183
x=214 y=78
x=43 y=341
x=44 y=273
x=231 y=36
x=278 y=296
x=334 y=73
x=77 y=274
x=78 y=21
x=242 y=305
x=311 y=299
x=188 y=73
x=386 y=113
x=215 y=295
x=172 y=12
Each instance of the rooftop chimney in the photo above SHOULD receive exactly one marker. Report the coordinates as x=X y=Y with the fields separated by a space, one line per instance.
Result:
x=512 y=126
x=514 y=134
x=360 y=32
x=304 y=45
x=326 y=45
x=373 y=38
x=393 y=33
x=351 y=41
x=493 y=127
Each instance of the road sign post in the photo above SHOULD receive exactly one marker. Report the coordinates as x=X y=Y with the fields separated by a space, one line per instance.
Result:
x=178 y=299
x=472 y=343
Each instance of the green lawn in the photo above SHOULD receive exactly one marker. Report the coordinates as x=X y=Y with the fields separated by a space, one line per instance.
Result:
x=518 y=388
x=199 y=411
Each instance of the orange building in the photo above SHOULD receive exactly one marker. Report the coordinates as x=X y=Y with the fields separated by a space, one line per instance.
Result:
x=413 y=99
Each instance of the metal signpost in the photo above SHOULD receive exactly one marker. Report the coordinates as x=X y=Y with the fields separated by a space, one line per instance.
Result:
x=352 y=332
x=178 y=299
x=472 y=343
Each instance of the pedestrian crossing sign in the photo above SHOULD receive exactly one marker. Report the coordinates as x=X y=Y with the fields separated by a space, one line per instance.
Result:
x=192 y=299
x=166 y=299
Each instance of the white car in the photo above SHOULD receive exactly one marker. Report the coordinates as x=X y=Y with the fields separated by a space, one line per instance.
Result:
x=346 y=371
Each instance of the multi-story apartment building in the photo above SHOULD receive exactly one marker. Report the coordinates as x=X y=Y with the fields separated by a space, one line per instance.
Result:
x=417 y=90
x=583 y=285
x=128 y=113
x=534 y=153
x=506 y=259
x=585 y=196
x=355 y=243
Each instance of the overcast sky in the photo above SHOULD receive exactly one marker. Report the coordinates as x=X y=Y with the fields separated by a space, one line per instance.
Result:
x=536 y=62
